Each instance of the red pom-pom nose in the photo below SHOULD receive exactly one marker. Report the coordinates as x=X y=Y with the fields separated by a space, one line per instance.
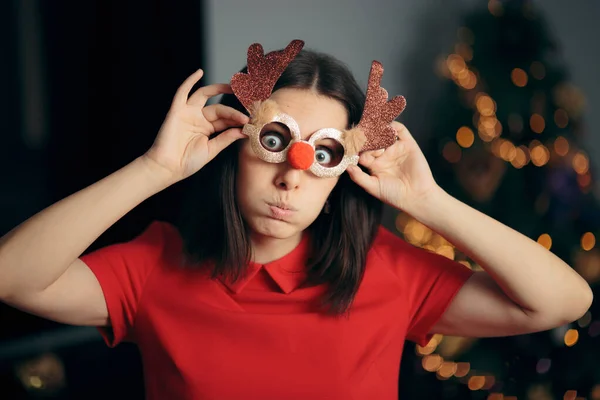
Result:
x=301 y=155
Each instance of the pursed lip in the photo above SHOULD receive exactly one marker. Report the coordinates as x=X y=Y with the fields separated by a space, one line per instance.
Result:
x=281 y=211
x=282 y=206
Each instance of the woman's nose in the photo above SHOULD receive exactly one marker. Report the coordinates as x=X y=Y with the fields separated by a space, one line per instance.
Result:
x=301 y=155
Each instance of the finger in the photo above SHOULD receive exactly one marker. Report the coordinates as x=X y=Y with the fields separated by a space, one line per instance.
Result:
x=367 y=158
x=219 y=111
x=403 y=132
x=184 y=90
x=364 y=180
x=216 y=145
x=201 y=96
x=222 y=124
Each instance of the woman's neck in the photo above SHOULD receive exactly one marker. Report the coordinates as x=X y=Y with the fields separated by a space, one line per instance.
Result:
x=267 y=248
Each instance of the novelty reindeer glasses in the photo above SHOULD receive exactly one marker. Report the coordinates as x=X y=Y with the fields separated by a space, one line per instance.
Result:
x=253 y=90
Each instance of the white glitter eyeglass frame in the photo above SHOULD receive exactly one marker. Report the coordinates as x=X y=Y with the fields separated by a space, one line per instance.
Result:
x=253 y=89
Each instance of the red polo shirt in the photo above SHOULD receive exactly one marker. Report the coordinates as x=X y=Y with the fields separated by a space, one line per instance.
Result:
x=261 y=338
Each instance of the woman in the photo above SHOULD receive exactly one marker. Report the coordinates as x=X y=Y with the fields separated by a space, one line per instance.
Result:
x=282 y=284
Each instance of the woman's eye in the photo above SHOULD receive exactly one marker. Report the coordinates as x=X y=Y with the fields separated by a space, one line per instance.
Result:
x=323 y=155
x=272 y=141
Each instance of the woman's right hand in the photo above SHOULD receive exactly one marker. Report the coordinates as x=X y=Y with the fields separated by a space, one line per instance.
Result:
x=182 y=145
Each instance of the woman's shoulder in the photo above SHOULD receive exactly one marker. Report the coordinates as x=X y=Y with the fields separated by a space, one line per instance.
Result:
x=392 y=250
x=388 y=242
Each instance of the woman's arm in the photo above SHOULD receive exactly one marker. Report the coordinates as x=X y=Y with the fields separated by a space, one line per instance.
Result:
x=36 y=254
x=524 y=288
x=39 y=267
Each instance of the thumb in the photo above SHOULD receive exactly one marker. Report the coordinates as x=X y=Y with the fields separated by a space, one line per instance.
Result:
x=364 y=180
x=221 y=141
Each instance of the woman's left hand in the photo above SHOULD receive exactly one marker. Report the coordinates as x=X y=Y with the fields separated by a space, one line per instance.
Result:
x=399 y=175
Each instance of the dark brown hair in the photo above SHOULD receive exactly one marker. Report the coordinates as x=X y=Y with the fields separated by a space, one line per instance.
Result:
x=212 y=225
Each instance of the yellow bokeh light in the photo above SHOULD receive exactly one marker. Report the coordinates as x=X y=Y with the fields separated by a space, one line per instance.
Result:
x=446 y=251
x=545 y=240
x=581 y=164
x=417 y=233
x=456 y=64
x=447 y=369
x=462 y=369
x=489 y=382
x=507 y=151
x=401 y=221
x=432 y=362
x=561 y=146
x=485 y=105
x=427 y=349
x=570 y=395
x=476 y=382
x=537 y=69
x=588 y=241
x=561 y=118
x=36 y=382
x=571 y=337
x=540 y=155
x=519 y=77
x=452 y=152
x=489 y=128
x=465 y=136
x=467 y=80
x=521 y=158
x=495 y=396
x=537 y=123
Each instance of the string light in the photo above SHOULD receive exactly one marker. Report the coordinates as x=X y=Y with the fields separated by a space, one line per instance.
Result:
x=588 y=241
x=561 y=118
x=570 y=395
x=465 y=137
x=581 y=163
x=476 y=382
x=521 y=158
x=537 y=123
x=571 y=337
x=519 y=77
x=561 y=146
x=540 y=155
x=545 y=240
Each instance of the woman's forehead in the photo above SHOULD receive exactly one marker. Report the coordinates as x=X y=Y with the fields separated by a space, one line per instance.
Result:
x=310 y=110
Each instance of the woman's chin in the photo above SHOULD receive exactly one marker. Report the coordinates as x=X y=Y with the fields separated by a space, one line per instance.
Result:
x=274 y=228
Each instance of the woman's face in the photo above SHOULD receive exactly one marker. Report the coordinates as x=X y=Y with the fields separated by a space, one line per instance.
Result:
x=277 y=200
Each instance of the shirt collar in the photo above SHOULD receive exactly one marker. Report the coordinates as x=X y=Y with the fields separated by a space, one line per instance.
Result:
x=289 y=271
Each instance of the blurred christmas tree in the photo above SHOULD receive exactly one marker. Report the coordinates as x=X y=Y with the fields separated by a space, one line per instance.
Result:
x=506 y=140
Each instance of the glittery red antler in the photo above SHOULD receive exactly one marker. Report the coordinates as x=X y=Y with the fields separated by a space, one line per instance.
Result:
x=379 y=112
x=263 y=72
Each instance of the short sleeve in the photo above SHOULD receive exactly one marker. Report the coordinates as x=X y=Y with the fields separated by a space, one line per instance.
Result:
x=122 y=270
x=432 y=281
